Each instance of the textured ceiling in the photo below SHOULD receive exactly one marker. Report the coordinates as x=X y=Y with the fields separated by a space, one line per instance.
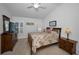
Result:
x=21 y=10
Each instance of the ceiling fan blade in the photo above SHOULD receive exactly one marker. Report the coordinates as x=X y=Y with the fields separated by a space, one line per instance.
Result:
x=30 y=7
x=42 y=7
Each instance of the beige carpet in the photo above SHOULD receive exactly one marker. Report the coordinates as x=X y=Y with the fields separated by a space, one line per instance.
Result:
x=22 y=48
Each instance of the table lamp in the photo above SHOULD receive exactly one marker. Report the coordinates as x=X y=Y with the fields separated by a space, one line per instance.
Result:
x=67 y=31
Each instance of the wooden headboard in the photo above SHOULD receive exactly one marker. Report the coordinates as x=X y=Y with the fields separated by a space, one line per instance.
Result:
x=58 y=30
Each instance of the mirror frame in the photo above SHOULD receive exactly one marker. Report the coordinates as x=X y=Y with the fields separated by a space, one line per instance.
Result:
x=5 y=18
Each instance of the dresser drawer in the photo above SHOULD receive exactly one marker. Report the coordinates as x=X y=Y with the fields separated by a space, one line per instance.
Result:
x=68 y=45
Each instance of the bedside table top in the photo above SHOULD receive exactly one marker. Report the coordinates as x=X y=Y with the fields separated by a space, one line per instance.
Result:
x=70 y=40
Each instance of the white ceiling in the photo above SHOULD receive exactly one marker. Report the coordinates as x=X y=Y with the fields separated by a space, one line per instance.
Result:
x=21 y=10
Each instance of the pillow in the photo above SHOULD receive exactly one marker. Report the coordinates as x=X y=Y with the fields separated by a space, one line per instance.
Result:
x=48 y=29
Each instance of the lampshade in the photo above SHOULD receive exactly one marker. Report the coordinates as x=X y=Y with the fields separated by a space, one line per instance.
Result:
x=67 y=30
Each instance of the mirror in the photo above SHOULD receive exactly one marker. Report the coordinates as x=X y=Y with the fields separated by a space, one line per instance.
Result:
x=6 y=22
x=6 y=26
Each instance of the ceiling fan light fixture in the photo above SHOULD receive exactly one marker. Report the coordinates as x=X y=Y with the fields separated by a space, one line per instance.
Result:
x=36 y=5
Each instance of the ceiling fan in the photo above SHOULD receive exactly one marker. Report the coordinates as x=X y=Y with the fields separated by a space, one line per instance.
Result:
x=36 y=6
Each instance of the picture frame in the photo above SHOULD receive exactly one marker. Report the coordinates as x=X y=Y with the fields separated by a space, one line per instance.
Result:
x=29 y=23
x=52 y=23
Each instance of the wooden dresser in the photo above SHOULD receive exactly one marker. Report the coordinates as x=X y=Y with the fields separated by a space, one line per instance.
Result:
x=68 y=45
x=8 y=40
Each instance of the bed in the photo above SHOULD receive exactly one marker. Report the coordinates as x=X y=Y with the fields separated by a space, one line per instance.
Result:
x=39 y=40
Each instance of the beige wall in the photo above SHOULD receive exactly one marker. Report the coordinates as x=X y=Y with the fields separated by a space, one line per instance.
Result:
x=27 y=28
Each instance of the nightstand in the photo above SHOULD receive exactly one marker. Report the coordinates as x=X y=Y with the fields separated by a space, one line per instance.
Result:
x=68 y=45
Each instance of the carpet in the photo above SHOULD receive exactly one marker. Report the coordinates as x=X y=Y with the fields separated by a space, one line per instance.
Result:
x=22 y=48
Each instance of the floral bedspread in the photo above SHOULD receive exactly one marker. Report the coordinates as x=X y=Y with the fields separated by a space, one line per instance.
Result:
x=42 y=39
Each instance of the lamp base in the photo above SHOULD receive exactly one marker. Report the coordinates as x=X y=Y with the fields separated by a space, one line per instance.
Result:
x=67 y=36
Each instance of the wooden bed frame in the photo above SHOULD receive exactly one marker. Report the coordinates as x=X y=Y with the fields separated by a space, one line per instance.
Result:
x=30 y=40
